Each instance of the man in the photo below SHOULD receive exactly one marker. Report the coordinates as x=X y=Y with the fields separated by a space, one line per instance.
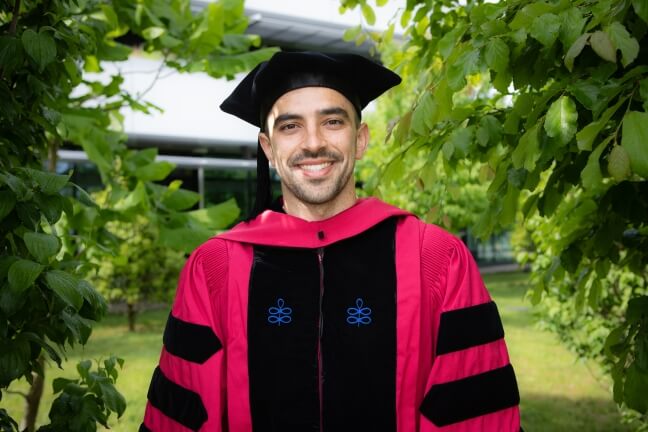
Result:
x=326 y=312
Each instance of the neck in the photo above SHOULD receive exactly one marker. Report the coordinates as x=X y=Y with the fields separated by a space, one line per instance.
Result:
x=318 y=212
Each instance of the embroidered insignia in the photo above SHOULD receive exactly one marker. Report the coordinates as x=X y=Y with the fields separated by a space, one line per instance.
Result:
x=279 y=314
x=359 y=315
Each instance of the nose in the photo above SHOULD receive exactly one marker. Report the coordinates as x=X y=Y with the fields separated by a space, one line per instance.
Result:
x=313 y=141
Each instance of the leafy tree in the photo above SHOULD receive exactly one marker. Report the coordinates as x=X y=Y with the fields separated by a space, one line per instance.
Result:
x=563 y=132
x=47 y=98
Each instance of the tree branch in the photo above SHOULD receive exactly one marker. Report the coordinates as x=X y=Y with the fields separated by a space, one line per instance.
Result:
x=14 y=18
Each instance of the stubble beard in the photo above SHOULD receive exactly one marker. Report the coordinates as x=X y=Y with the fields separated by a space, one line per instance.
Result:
x=313 y=192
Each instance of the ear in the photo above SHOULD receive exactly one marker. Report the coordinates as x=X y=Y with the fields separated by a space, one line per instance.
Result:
x=362 y=140
x=266 y=146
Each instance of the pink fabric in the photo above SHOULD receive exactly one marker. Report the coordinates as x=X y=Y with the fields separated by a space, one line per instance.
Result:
x=435 y=273
x=410 y=333
x=278 y=229
x=238 y=401
x=453 y=280
x=156 y=421
x=194 y=303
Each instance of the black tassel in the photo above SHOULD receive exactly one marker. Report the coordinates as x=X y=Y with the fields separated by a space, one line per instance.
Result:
x=263 y=198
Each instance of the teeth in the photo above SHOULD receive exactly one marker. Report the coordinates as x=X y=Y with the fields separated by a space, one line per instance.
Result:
x=315 y=167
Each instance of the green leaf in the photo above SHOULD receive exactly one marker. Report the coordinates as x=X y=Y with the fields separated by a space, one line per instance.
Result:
x=527 y=151
x=184 y=239
x=23 y=273
x=155 y=171
x=602 y=45
x=65 y=286
x=561 y=120
x=49 y=183
x=180 y=199
x=17 y=185
x=216 y=217
x=489 y=131
x=546 y=28
x=591 y=175
x=575 y=49
x=368 y=13
x=7 y=203
x=586 y=136
x=381 y=3
x=449 y=40
x=351 y=33
x=635 y=141
x=636 y=389
x=641 y=9
x=42 y=246
x=134 y=198
x=462 y=140
x=152 y=33
x=623 y=41
x=572 y=23
x=39 y=46
x=466 y=64
x=619 y=163
x=112 y=398
x=497 y=54
x=423 y=115
x=11 y=54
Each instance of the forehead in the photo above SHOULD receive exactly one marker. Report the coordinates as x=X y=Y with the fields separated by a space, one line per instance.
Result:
x=310 y=99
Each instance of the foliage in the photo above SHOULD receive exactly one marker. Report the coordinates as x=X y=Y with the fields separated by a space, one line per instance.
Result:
x=563 y=131
x=86 y=401
x=48 y=96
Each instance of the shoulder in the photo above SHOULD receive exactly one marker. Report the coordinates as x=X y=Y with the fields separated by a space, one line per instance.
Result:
x=438 y=241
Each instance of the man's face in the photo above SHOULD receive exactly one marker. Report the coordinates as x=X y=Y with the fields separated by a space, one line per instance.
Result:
x=312 y=139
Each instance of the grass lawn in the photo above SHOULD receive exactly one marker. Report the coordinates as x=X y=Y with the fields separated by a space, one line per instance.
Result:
x=559 y=393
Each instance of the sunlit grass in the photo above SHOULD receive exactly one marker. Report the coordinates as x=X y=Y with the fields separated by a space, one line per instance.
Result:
x=559 y=393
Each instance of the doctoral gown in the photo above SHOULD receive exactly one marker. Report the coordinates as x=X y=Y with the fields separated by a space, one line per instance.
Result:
x=370 y=320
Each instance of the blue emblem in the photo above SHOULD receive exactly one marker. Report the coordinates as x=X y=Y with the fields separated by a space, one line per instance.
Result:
x=359 y=315
x=279 y=314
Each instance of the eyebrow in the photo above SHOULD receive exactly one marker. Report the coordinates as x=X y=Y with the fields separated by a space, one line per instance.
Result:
x=323 y=112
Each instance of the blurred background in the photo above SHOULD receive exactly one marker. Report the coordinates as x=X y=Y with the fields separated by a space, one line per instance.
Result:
x=520 y=126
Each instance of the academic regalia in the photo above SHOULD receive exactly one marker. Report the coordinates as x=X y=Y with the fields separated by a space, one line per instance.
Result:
x=408 y=338
x=370 y=320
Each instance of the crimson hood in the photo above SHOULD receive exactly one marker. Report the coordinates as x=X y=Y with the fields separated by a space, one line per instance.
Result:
x=271 y=228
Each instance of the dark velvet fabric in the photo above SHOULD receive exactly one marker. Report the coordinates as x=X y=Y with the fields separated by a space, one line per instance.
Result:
x=176 y=402
x=143 y=428
x=191 y=342
x=468 y=327
x=471 y=397
x=357 y=326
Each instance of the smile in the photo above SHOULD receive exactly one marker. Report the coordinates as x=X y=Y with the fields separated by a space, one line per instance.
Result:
x=316 y=167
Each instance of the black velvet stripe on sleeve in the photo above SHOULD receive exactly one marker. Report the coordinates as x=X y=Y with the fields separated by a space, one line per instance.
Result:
x=143 y=428
x=192 y=342
x=471 y=397
x=468 y=327
x=176 y=402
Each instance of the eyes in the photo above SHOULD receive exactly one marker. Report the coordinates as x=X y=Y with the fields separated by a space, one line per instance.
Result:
x=332 y=123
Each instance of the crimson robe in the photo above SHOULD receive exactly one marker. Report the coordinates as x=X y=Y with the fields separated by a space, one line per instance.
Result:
x=368 y=320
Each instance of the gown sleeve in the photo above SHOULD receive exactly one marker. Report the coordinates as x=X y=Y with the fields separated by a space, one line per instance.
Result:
x=187 y=390
x=471 y=385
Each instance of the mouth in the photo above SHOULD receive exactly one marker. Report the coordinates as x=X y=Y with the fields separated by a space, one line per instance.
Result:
x=315 y=169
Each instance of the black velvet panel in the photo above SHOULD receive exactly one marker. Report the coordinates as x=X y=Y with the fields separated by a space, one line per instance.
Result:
x=192 y=342
x=468 y=327
x=143 y=428
x=283 y=309
x=359 y=337
x=176 y=402
x=471 y=397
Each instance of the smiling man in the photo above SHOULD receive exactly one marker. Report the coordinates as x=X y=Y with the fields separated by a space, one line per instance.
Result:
x=325 y=312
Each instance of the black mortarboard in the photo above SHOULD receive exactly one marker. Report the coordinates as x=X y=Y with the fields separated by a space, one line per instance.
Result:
x=359 y=79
